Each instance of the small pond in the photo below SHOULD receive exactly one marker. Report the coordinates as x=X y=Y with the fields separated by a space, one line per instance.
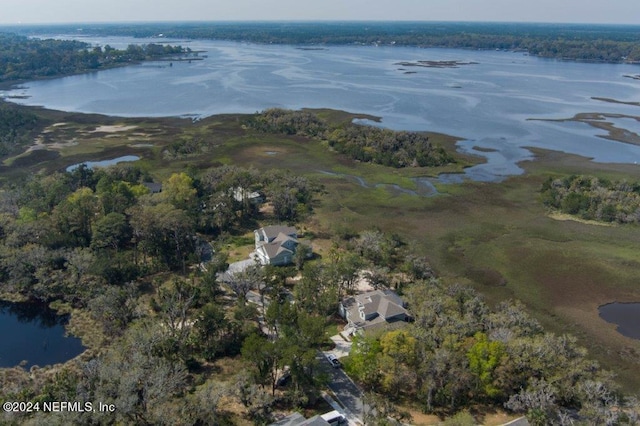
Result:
x=104 y=163
x=625 y=315
x=32 y=332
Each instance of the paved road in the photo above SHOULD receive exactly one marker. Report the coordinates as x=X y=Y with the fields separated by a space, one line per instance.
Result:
x=347 y=393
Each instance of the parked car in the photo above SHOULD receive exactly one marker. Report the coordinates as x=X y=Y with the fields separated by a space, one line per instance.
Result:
x=334 y=417
x=334 y=361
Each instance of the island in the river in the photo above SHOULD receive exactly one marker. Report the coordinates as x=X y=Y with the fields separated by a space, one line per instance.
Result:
x=435 y=64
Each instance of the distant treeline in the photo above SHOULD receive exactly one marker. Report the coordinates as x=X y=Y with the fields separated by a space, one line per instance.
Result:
x=600 y=43
x=594 y=198
x=23 y=58
x=363 y=143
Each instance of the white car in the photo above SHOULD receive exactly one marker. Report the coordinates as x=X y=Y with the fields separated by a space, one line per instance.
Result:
x=334 y=361
x=334 y=418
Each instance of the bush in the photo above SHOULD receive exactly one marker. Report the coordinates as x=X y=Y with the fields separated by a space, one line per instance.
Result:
x=461 y=418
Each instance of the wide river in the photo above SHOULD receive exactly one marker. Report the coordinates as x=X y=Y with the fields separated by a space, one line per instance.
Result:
x=487 y=103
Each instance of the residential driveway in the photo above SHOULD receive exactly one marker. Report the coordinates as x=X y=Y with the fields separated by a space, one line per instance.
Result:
x=342 y=348
x=234 y=268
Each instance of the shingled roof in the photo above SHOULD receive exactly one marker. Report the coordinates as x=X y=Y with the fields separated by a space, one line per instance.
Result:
x=272 y=231
x=377 y=307
x=276 y=244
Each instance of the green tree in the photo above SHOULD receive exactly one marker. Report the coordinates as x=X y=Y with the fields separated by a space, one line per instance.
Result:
x=175 y=303
x=363 y=361
x=538 y=401
x=115 y=308
x=214 y=333
x=116 y=196
x=165 y=232
x=316 y=292
x=180 y=192
x=347 y=269
x=303 y=252
x=484 y=357
x=266 y=357
x=461 y=418
x=209 y=279
x=397 y=361
x=575 y=203
x=74 y=216
x=110 y=232
x=135 y=379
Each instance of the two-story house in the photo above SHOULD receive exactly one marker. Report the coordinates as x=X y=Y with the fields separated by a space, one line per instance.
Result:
x=276 y=245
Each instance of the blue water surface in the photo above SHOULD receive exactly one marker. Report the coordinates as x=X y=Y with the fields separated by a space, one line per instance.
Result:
x=32 y=334
x=489 y=103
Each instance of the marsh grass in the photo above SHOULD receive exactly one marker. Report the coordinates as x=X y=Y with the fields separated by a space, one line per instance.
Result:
x=497 y=237
x=500 y=239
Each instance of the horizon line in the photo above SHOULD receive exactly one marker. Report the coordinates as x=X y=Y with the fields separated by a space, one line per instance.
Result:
x=306 y=21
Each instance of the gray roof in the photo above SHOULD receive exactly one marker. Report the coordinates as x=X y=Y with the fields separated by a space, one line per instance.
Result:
x=273 y=231
x=294 y=419
x=370 y=304
x=386 y=303
x=275 y=248
x=389 y=309
x=154 y=187
x=278 y=240
x=315 y=421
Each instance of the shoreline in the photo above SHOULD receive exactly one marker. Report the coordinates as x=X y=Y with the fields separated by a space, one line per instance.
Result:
x=449 y=142
x=597 y=120
x=14 y=84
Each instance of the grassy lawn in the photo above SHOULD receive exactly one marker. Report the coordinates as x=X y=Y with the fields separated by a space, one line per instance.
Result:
x=239 y=247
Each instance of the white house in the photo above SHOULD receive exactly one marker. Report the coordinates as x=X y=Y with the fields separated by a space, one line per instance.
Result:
x=276 y=245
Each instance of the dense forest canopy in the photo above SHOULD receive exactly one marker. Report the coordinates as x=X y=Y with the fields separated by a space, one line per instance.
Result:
x=368 y=144
x=99 y=241
x=17 y=128
x=600 y=43
x=459 y=352
x=23 y=58
x=127 y=262
x=594 y=199
x=121 y=231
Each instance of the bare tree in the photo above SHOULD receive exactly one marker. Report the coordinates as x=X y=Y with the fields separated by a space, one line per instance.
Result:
x=244 y=281
x=175 y=304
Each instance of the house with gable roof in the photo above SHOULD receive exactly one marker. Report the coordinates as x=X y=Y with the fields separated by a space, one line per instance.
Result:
x=373 y=308
x=276 y=244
